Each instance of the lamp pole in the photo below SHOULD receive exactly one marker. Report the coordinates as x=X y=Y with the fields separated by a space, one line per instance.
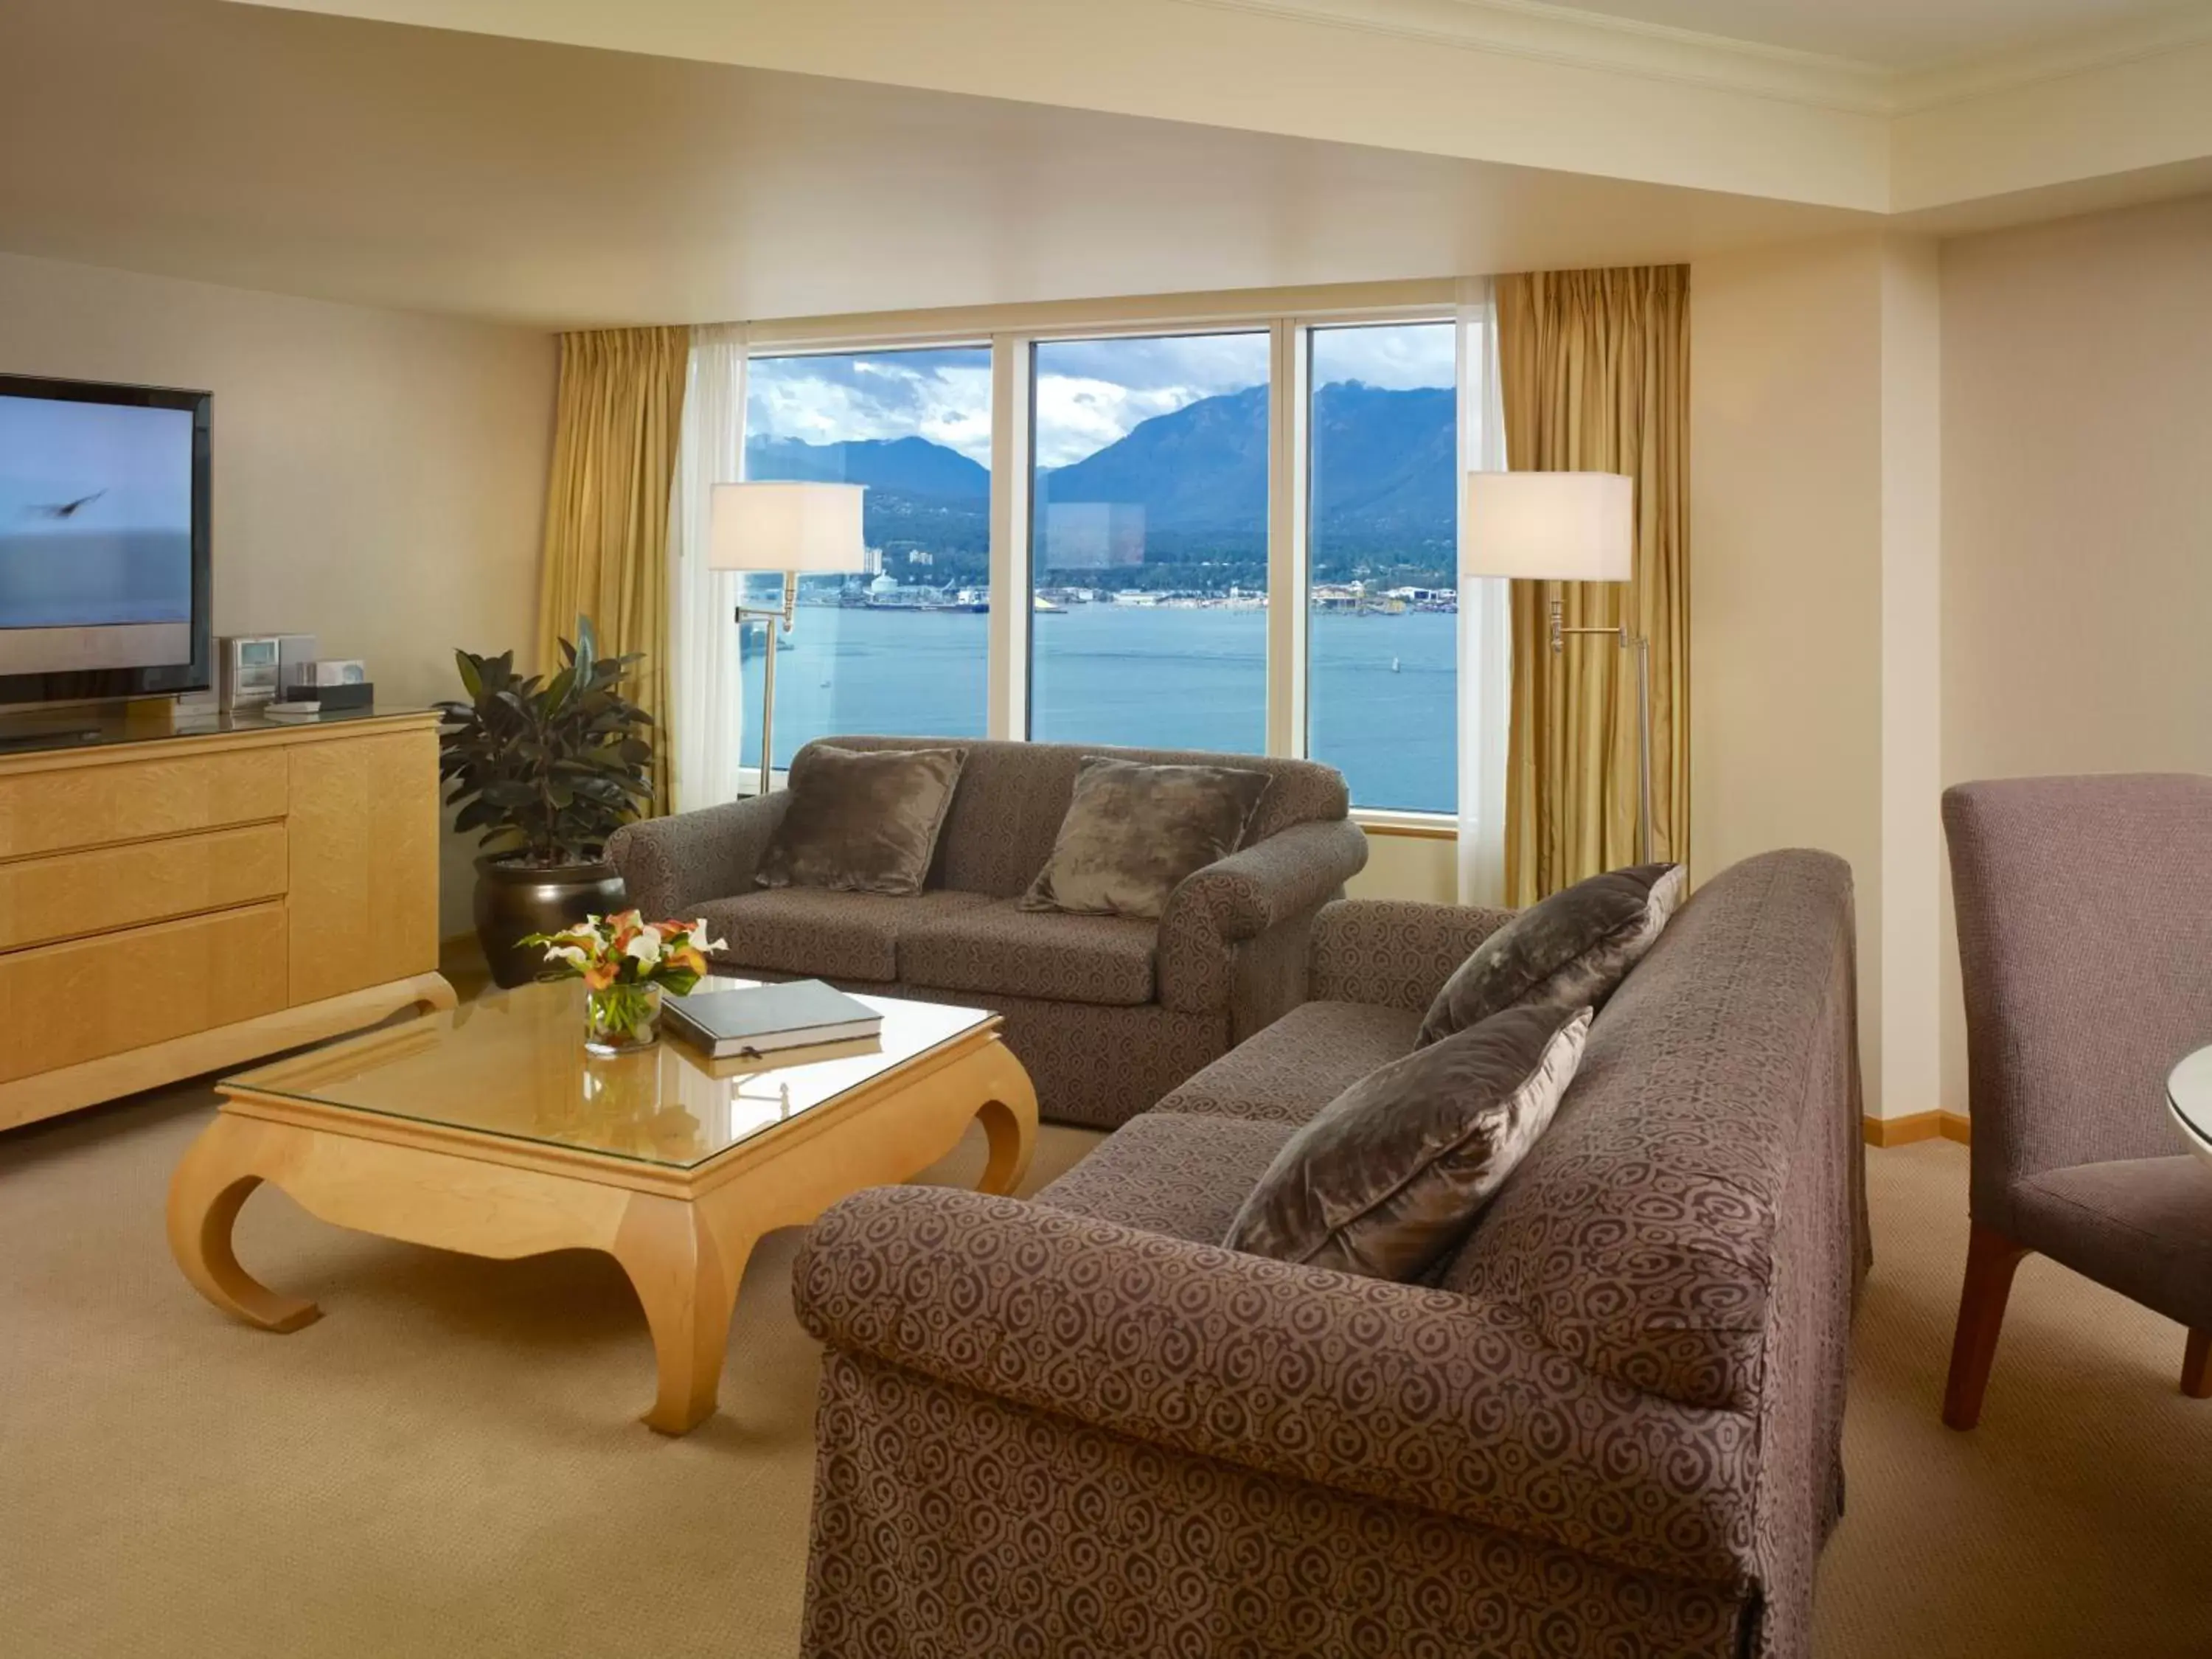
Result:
x=786 y=528
x=778 y=617
x=1641 y=647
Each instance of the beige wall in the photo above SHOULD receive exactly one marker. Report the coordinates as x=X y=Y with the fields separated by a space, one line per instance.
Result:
x=1408 y=866
x=1815 y=524
x=1911 y=677
x=1948 y=520
x=2077 y=512
x=1785 y=529
x=379 y=477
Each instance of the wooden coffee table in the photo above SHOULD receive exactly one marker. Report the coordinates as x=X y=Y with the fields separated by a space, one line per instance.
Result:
x=487 y=1129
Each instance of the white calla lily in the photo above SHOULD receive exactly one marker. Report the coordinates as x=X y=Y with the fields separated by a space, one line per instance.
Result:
x=645 y=947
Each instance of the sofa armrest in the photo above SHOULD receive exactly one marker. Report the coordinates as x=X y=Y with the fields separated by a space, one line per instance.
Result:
x=671 y=866
x=1415 y=1396
x=1234 y=900
x=1393 y=953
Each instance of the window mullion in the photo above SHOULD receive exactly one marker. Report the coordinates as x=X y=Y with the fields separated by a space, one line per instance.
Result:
x=1286 y=540
x=1007 y=670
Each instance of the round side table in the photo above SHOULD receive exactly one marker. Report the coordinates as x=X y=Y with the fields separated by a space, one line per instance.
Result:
x=2189 y=1097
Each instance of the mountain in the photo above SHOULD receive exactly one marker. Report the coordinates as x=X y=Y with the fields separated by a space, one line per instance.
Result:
x=1385 y=462
x=1201 y=468
x=1385 y=465
x=896 y=466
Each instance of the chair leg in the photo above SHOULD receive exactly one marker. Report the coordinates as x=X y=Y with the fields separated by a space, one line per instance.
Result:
x=1991 y=1259
x=2196 y=1365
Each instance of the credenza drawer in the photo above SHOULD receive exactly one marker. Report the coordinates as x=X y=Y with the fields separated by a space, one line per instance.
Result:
x=63 y=1004
x=56 y=809
x=70 y=894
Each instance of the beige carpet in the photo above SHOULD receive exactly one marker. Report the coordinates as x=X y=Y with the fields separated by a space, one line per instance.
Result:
x=449 y=1464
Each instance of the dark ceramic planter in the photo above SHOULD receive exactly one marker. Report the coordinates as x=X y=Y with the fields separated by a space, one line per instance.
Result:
x=515 y=900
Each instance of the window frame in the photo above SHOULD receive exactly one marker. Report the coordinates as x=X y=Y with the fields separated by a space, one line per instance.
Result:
x=1012 y=335
x=1026 y=669
x=1399 y=820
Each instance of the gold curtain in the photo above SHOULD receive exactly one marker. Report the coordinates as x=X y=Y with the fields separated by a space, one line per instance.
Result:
x=620 y=412
x=1595 y=372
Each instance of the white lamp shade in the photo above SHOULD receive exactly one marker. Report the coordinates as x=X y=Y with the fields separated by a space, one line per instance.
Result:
x=1550 y=526
x=812 y=528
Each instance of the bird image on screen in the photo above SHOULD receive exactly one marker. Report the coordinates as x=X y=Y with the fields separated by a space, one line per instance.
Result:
x=69 y=509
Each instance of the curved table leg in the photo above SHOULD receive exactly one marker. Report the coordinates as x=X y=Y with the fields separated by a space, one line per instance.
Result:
x=217 y=1176
x=1009 y=1117
x=687 y=1280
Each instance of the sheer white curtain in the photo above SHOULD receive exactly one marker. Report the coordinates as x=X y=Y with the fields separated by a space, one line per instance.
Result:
x=705 y=692
x=1485 y=622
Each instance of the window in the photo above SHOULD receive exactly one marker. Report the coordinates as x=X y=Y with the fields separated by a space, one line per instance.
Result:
x=1381 y=518
x=1148 y=513
x=901 y=649
x=1179 y=481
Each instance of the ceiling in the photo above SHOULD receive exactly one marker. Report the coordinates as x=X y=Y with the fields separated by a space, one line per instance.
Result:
x=1893 y=35
x=685 y=161
x=557 y=185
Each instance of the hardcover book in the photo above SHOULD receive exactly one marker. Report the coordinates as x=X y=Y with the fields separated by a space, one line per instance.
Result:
x=762 y=1018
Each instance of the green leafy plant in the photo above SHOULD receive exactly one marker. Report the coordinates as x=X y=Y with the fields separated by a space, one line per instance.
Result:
x=547 y=768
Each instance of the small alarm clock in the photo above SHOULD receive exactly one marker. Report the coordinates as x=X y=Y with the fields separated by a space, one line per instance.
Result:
x=247 y=670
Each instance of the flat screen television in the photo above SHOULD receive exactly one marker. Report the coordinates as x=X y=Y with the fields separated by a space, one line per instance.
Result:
x=105 y=589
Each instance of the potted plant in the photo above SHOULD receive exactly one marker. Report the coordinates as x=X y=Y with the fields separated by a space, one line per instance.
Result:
x=547 y=770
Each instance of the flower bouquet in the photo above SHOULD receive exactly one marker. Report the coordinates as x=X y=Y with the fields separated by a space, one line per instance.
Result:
x=626 y=962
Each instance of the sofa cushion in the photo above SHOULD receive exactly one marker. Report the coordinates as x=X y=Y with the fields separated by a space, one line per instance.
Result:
x=862 y=821
x=1288 y=1071
x=1164 y=1173
x=822 y=933
x=1568 y=952
x=1134 y=831
x=1012 y=797
x=995 y=947
x=1389 y=1174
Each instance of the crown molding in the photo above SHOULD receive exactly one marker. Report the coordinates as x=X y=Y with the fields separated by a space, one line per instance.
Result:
x=1592 y=40
x=2126 y=42
x=1583 y=39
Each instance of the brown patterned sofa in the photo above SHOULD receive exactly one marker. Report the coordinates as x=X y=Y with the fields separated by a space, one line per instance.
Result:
x=1076 y=1426
x=1107 y=1013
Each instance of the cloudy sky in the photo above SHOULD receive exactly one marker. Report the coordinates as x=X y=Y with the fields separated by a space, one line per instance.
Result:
x=1090 y=392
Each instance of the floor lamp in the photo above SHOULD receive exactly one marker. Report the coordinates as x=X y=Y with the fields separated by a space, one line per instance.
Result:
x=1566 y=527
x=795 y=530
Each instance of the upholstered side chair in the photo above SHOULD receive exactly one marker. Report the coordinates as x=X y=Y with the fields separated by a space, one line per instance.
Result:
x=2085 y=943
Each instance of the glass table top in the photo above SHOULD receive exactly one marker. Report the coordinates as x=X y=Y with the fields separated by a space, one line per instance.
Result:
x=512 y=1064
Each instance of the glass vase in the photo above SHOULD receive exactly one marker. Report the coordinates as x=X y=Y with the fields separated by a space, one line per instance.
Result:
x=621 y=1018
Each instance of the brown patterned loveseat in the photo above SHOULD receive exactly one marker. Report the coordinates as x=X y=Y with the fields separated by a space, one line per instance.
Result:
x=1107 y=1013
x=1076 y=1426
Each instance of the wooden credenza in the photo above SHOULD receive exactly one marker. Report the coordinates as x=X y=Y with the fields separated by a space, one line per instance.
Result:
x=183 y=903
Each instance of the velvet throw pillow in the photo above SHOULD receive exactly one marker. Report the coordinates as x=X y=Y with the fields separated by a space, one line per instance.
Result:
x=1392 y=1173
x=1569 y=951
x=1132 y=831
x=861 y=821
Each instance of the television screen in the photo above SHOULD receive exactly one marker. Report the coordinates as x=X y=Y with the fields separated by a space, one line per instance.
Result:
x=101 y=539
